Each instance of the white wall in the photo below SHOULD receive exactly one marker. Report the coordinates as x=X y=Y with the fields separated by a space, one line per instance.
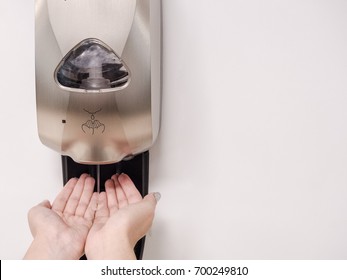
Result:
x=252 y=156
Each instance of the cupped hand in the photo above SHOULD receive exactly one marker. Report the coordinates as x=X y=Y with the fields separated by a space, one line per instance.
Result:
x=60 y=230
x=121 y=219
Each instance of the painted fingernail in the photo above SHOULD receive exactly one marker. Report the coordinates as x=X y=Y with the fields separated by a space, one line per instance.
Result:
x=157 y=196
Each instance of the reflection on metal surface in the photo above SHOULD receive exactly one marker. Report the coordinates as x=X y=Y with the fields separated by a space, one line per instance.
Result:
x=92 y=65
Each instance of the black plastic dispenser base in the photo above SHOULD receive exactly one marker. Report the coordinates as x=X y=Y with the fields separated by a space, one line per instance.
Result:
x=136 y=168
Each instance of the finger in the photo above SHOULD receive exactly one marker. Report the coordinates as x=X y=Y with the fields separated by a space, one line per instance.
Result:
x=152 y=198
x=62 y=198
x=148 y=205
x=102 y=209
x=111 y=196
x=91 y=209
x=122 y=198
x=131 y=192
x=86 y=196
x=75 y=196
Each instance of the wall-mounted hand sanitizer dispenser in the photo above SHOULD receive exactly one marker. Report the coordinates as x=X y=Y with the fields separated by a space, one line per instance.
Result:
x=98 y=77
x=98 y=85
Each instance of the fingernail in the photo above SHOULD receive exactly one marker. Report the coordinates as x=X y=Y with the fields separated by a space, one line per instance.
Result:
x=157 y=196
x=122 y=175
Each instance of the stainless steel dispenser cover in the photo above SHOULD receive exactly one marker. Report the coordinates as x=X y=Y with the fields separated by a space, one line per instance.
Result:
x=98 y=77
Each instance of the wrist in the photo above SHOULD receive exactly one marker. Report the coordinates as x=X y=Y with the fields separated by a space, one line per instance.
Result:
x=42 y=248
x=112 y=249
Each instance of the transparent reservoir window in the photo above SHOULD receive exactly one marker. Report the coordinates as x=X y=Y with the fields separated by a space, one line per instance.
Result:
x=92 y=65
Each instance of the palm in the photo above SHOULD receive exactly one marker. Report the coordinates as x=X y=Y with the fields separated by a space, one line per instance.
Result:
x=104 y=224
x=75 y=227
x=119 y=214
x=69 y=218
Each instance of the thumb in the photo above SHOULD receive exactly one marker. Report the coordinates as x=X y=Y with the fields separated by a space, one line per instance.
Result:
x=45 y=204
x=35 y=215
x=153 y=197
